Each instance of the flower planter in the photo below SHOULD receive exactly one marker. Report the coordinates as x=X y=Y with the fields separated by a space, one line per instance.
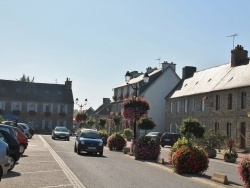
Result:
x=212 y=153
x=230 y=159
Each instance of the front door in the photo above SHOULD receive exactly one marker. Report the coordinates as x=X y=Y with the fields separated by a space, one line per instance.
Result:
x=243 y=135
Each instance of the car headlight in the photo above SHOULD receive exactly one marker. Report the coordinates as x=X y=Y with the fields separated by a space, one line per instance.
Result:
x=56 y=133
x=100 y=144
x=82 y=142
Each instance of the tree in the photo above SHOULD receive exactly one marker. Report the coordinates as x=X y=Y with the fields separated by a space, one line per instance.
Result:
x=81 y=116
x=26 y=79
x=90 y=122
x=146 y=123
x=102 y=122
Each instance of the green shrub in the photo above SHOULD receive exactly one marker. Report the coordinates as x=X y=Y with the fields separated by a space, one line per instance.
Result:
x=116 y=142
x=103 y=133
x=190 y=159
x=147 y=149
x=128 y=132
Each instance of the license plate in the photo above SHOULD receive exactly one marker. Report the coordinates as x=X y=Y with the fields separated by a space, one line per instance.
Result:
x=91 y=148
x=167 y=139
x=62 y=136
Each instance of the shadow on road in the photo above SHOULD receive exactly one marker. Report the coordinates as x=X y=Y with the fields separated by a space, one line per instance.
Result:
x=11 y=174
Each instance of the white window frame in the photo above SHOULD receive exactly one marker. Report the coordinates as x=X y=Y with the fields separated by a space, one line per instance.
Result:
x=185 y=105
x=178 y=107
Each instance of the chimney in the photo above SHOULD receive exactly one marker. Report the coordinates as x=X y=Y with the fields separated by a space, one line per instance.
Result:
x=106 y=100
x=135 y=74
x=149 y=70
x=188 y=72
x=68 y=84
x=239 y=56
x=165 y=65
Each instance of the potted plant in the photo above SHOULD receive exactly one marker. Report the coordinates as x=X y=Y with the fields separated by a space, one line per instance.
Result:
x=211 y=141
x=231 y=155
x=128 y=133
x=244 y=170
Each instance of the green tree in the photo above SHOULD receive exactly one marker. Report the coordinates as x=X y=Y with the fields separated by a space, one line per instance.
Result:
x=146 y=123
x=25 y=78
x=102 y=122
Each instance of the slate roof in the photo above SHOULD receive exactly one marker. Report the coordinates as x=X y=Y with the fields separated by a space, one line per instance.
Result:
x=214 y=79
x=38 y=92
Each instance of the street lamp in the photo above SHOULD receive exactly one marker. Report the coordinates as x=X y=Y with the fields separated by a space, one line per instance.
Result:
x=136 y=88
x=81 y=105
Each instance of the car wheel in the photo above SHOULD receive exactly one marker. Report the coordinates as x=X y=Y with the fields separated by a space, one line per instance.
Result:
x=22 y=149
x=78 y=151
x=101 y=153
x=68 y=139
x=52 y=137
x=12 y=162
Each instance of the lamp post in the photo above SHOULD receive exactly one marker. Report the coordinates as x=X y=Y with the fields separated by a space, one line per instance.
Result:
x=81 y=105
x=136 y=88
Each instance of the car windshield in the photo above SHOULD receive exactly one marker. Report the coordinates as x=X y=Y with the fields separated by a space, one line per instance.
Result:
x=5 y=129
x=61 y=129
x=90 y=134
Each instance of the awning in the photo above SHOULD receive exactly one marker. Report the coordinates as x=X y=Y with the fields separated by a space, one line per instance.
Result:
x=10 y=116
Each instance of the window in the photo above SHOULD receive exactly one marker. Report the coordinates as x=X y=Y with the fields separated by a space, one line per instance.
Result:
x=186 y=106
x=243 y=100
x=229 y=130
x=193 y=105
x=216 y=127
x=170 y=127
x=47 y=108
x=203 y=104
x=46 y=125
x=60 y=123
x=171 y=107
x=229 y=99
x=217 y=102
x=178 y=107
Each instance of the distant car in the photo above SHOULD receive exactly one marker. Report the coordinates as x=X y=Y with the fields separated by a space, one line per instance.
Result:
x=9 y=129
x=169 y=139
x=155 y=136
x=22 y=139
x=4 y=162
x=25 y=129
x=88 y=140
x=61 y=133
x=14 y=147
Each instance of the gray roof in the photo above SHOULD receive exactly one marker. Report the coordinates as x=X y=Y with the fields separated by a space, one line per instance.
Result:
x=214 y=79
x=38 y=92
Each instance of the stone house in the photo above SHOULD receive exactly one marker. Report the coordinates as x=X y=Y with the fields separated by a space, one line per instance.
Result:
x=219 y=97
x=161 y=81
x=43 y=106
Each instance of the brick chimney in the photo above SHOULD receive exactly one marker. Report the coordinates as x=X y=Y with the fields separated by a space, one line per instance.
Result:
x=106 y=100
x=165 y=65
x=68 y=84
x=239 y=56
x=188 y=72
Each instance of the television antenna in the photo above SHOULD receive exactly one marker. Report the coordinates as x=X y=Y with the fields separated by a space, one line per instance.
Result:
x=236 y=34
x=159 y=59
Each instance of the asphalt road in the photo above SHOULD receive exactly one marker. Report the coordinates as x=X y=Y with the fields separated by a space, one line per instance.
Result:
x=52 y=163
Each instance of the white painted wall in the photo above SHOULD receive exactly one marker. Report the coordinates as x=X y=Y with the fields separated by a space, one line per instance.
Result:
x=156 y=93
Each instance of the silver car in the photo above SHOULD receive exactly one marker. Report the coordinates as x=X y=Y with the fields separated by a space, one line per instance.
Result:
x=4 y=164
x=25 y=129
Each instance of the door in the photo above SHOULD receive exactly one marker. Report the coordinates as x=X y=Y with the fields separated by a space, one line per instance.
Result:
x=243 y=135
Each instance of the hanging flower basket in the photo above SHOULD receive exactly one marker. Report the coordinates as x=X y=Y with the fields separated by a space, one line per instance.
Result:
x=16 y=112
x=47 y=113
x=32 y=112
x=134 y=107
x=62 y=114
x=1 y=111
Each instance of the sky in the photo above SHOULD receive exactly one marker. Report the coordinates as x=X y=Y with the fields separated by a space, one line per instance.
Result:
x=95 y=42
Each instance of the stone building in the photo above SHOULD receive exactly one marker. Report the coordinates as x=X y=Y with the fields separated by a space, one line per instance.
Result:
x=219 y=97
x=43 y=106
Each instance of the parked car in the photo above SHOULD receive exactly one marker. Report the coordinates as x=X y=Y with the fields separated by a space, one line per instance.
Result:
x=169 y=139
x=25 y=129
x=4 y=158
x=61 y=133
x=155 y=136
x=22 y=139
x=31 y=130
x=88 y=140
x=14 y=147
x=9 y=129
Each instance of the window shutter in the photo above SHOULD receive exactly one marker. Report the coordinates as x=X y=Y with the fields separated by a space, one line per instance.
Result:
x=20 y=106
x=58 y=108
x=51 y=106
x=12 y=106
x=64 y=123
x=44 y=107
x=43 y=124
x=28 y=106
x=3 y=105
x=50 y=124
x=66 y=109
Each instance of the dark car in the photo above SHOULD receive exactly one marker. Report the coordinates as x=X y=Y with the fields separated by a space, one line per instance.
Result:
x=9 y=129
x=154 y=135
x=169 y=139
x=61 y=133
x=89 y=140
x=14 y=147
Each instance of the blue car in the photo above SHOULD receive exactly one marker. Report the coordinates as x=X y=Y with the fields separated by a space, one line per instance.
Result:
x=88 y=140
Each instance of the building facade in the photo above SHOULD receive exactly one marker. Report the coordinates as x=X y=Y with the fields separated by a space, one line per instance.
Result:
x=43 y=106
x=219 y=97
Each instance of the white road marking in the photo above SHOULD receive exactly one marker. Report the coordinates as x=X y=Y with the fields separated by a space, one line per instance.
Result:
x=56 y=186
x=70 y=175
